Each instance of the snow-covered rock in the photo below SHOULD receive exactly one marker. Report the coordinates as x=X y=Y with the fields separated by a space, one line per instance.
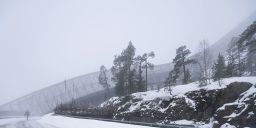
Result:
x=231 y=102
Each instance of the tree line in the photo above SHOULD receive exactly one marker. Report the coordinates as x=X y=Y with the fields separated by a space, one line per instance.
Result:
x=241 y=56
x=129 y=72
x=239 y=61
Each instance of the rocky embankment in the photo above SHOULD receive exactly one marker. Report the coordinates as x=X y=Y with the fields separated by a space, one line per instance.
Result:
x=232 y=104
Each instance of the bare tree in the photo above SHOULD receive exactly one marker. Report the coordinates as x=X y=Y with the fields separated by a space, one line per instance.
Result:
x=103 y=80
x=204 y=60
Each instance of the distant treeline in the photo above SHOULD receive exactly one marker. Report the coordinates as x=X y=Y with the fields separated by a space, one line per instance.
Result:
x=129 y=72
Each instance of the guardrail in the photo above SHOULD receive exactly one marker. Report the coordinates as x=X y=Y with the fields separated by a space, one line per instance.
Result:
x=136 y=123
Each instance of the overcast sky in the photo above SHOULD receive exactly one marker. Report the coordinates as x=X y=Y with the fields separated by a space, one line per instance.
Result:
x=45 y=41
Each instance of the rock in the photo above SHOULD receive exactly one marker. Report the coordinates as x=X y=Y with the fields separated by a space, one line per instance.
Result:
x=207 y=105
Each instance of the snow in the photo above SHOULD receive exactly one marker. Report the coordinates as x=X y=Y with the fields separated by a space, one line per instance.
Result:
x=67 y=122
x=149 y=95
x=251 y=113
x=227 y=125
x=182 y=89
x=233 y=115
x=21 y=122
x=240 y=102
x=182 y=122
x=110 y=100
x=10 y=120
x=179 y=91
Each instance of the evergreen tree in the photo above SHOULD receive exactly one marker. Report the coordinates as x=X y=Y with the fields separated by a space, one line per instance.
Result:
x=123 y=72
x=181 y=60
x=231 y=66
x=141 y=84
x=251 y=55
x=235 y=52
x=219 y=69
x=250 y=39
x=103 y=80
x=143 y=63
x=187 y=76
x=147 y=65
x=172 y=78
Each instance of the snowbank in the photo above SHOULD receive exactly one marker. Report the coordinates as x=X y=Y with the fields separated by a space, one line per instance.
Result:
x=182 y=89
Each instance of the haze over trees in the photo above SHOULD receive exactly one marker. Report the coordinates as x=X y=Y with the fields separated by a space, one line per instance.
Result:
x=128 y=71
x=204 y=60
x=143 y=63
x=103 y=80
x=180 y=61
x=219 y=69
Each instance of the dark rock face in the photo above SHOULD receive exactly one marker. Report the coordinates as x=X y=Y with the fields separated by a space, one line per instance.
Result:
x=207 y=104
x=240 y=113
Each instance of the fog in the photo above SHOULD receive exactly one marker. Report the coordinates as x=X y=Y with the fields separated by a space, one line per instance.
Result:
x=44 y=42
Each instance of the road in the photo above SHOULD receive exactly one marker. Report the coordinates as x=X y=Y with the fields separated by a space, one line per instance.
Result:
x=23 y=123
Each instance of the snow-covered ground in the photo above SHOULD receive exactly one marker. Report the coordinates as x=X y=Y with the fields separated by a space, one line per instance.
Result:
x=10 y=120
x=51 y=121
x=67 y=122
x=21 y=122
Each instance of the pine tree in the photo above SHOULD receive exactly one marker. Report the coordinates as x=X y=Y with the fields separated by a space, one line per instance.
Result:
x=141 y=84
x=187 y=76
x=251 y=55
x=181 y=61
x=143 y=63
x=148 y=65
x=231 y=66
x=103 y=80
x=219 y=69
x=123 y=71
x=132 y=80
x=250 y=39
x=172 y=78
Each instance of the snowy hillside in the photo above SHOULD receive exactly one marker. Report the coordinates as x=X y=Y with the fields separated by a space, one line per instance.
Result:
x=45 y=100
x=230 y=103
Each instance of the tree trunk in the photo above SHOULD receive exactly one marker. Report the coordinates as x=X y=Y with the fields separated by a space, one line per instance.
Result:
x=205 y=68
x=146 y=75
x=184 y=69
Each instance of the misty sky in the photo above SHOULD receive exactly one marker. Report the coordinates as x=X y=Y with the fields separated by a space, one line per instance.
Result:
x=44 y=42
